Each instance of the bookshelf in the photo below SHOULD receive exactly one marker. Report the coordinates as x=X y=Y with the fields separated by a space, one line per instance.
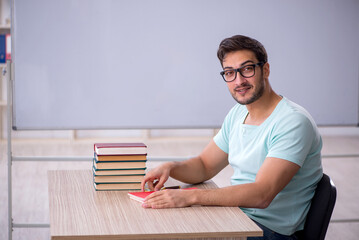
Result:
x=5 y=29
x=3 y=102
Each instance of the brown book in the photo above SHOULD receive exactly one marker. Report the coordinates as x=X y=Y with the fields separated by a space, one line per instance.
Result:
x=120 y=157
x=117 y=186
x=119 y=179
x=120 y=148
x=119 y=165
x=105 y=172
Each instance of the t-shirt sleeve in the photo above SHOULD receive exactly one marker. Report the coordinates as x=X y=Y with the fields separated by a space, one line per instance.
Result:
x=221 y=140
x=222 y=137
x=292 y=139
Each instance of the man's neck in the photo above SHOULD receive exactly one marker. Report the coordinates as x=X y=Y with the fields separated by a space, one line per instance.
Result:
x=261 y=109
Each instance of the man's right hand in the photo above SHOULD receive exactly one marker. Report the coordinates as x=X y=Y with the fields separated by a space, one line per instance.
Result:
x=194 y=170
x=157 y=177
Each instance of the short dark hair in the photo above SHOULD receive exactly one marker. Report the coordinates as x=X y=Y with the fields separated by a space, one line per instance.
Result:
x=240 y=42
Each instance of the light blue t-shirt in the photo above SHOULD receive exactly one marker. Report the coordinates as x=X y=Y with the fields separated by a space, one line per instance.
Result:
x=288 y=133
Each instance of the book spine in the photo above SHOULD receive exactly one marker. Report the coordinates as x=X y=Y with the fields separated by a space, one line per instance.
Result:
x=2 y=48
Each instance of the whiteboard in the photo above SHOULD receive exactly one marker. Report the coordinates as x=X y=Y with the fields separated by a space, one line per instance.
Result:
x=116 y=64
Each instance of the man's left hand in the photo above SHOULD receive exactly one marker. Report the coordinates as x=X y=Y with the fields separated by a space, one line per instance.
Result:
x=170 y=198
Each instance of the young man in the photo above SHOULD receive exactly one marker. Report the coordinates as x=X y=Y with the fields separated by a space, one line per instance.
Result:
x=272 y=144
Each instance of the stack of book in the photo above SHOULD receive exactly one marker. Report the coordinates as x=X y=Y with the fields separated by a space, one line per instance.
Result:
x=119 y=166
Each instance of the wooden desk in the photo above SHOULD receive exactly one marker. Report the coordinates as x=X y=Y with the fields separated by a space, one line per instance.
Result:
x=77 y=211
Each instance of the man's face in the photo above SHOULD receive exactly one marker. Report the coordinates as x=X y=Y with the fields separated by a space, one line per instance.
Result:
x=244 y=90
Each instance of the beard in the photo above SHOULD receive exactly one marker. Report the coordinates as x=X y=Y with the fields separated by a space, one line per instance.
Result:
x=255 y=96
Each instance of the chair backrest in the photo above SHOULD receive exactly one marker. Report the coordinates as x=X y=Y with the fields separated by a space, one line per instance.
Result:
x=320 y=211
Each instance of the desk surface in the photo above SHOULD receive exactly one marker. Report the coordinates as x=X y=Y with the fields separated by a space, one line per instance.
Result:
x=77 y=211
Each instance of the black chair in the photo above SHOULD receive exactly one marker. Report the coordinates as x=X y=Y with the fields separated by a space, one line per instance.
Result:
x=320 y=211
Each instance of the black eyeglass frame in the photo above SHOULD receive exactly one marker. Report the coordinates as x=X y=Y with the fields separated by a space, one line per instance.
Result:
x=238 y=70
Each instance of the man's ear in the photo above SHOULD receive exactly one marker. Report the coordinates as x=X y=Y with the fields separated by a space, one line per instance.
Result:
x=266 y=70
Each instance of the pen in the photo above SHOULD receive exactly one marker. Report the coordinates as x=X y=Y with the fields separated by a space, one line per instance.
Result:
x=171 y=187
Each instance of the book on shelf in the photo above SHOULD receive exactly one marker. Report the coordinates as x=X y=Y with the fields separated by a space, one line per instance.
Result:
x=120 y=157
x=107 y=172
x=8 y=47
x=120 y=148
x=118 y=178
x=117 y=186
x=119 y=165
x=140 y=196
x=2 y=49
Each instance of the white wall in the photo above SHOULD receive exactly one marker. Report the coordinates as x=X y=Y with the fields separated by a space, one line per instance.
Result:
x=5 y=12
x=5 y=18
x=304 y=46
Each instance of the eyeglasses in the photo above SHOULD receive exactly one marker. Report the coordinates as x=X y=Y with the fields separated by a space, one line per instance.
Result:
x=247 y=71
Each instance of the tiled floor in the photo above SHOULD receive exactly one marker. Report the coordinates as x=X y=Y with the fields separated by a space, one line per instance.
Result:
x=30 y=200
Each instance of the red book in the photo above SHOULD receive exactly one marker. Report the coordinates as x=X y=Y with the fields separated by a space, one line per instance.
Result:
x=8 y=47
x=120 y=148
x=140 y=196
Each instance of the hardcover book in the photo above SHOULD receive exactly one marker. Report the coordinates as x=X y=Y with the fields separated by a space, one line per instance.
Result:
x=119 y=179
x=2 y=48
x=119 y=165
x=120 y=148
x=139 y=196
x=117 y=186
x=120 y=157
x=107 y=172
x=8 y=47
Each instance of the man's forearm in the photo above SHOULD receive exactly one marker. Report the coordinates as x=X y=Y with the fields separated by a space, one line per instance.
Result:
x=190 y=171
x=272 y=177
x=245 y=195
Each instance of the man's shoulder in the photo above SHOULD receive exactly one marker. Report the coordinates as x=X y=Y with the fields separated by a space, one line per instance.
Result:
x=292 y=115
x=293 y=110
